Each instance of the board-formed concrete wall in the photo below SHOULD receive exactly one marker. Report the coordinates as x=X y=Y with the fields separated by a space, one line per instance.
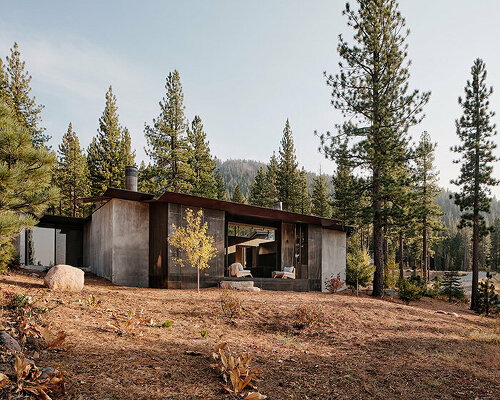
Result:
x=333 y=256
x=116 y=242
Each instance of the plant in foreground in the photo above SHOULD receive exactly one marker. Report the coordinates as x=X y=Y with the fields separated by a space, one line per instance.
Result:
x=487 y=301
x=230 y=304
x=308 y=316
x=334 y=283
x=236 y=372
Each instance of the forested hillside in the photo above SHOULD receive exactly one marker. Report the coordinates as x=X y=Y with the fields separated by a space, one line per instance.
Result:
x=243 y=172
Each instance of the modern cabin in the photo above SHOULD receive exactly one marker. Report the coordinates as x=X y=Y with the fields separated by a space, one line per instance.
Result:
x=126 y=241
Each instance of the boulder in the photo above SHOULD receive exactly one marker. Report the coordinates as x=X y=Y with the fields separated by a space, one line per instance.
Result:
x=246 y=286
x=9 y=342
x=65 y=278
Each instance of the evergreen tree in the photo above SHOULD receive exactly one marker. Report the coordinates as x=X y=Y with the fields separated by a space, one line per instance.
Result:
x=220 y=186
x=15 y=90
x=488 y=301
x=451 y=286
x=167 y=140
x=25 y=181
x=260 y=191
x=303 y=197
x=238 y=196
x=371 y=90
x=110 y=152
x=320 y=197
x=202 y=179
x=475 y=129
x=72 y=173
x=426 y=213
x=494 y=255
x=288 y=173
x=146 y=178
x=272 y=179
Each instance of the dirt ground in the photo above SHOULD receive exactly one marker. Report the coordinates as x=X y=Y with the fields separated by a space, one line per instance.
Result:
x=364 y=348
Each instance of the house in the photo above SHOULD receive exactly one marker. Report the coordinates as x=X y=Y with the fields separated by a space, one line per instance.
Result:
x=126 y=241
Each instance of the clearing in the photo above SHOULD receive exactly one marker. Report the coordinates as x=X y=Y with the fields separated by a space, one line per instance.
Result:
x=364 y=348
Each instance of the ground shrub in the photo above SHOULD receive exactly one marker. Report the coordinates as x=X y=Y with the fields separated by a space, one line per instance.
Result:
x=434 y=289
x=308 y=316
x=488 y=301
x=359 y=271
x=409 y=290
x=230 y=304
x=451 y=287
x=391 y=272
x=334 y=283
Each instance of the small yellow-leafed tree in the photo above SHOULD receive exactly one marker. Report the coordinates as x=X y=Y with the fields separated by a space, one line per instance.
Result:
x=195 y=245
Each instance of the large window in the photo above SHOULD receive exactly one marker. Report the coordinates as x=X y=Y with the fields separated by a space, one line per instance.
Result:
x=253 y=246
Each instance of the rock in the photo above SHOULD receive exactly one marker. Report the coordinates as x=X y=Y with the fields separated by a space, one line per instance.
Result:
x=47 y=371
x=64 y=277
x=250 y=289
x=240 y=285
x=8 y=341
x=454 y=314
x=440 y=312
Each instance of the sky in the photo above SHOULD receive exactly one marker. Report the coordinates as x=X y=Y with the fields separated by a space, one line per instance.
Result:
x=245 y=67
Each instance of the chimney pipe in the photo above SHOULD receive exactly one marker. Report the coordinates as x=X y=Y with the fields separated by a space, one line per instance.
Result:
x=131 y=178
x=278 y=205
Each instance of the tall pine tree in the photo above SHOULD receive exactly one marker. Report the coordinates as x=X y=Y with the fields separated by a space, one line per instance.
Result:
x=110 y=151
x=371 y=91
x=320 y=197
x=167 y=140
x=220 y=186
x=288 y=174
x=15 y=90
x=260 y=190
x=71 y=173
x=426 y=212
x=238 y=196
x=202 y=179
x=475 y=129
x=303 y=197
x=25 y=181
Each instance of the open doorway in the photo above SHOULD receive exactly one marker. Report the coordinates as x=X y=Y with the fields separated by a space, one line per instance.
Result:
x=254 y=246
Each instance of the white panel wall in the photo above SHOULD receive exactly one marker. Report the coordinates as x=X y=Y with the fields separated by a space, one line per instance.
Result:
x=333 y=256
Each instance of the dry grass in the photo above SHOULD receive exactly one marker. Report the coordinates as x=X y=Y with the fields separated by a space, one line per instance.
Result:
x=363 y=348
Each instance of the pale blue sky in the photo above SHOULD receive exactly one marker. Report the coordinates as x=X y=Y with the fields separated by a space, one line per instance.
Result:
x=245 y=66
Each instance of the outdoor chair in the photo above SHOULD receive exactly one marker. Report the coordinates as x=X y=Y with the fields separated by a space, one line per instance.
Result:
x=287 y=273
x=236 y=270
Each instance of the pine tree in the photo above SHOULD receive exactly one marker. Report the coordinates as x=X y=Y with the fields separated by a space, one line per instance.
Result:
x=494 y=255
x=272 y=179
x=488 y=301
x=146 y=178
x=202 y=179
x=15 y=90
x=426 y=212
x=72 y=173
x=474 y=130
x=220 y=186
x=320 y=197
x=25 y=181
x=110 y=152
x=237 y=195
x=288 y=173
x=167 y=142
x=451 y=286
x=371 y=91
x=260 y=190
x=303 y=196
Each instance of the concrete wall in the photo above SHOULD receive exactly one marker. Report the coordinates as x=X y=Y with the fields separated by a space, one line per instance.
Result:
x=116 y=242
x=130 y=255
x=333 y=256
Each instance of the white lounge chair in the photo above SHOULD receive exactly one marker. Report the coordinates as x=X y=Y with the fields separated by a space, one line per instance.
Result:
x=236 y=270
x=287 y=273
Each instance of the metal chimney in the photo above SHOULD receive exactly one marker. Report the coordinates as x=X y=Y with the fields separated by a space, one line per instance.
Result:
x=131 y=178
x=278 y=205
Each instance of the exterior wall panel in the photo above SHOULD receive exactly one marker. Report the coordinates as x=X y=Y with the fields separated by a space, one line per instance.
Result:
x=333 y=258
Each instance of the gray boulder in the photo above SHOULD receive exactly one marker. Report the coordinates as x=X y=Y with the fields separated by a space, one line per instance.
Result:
x=64 y=278
x=9 y=342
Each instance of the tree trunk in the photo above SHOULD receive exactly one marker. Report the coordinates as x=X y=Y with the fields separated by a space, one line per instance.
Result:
x=475 y=263
x=378 y=238
x=198 y=272
x=424 y=250
x=401 y=255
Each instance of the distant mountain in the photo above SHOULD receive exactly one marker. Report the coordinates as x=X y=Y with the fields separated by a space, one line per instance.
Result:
x=242 y=172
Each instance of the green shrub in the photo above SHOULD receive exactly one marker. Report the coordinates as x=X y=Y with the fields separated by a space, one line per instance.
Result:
x=409 y=290
x=391 y=272
x=488 y=301
x=359 y=271
x=451 y=287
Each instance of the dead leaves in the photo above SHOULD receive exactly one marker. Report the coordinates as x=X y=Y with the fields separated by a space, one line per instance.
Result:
x=29 y=378
x=52 y=340
x=236 y=372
